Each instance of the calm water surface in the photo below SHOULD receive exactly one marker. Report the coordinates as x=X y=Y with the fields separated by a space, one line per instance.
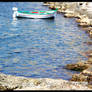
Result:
x=38 y=48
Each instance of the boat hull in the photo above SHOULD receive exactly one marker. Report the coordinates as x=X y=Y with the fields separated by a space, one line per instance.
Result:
x=33 y=14
x=21 y=15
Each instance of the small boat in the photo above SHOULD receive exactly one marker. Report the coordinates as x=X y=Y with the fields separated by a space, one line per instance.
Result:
x=33 y=14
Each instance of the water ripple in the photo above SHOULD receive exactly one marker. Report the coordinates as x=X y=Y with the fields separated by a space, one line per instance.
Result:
x=38 y=47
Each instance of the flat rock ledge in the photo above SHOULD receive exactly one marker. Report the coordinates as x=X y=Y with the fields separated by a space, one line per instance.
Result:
x=9 y=82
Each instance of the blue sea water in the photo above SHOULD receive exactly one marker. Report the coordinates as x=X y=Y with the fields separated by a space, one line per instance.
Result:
x=39 y=48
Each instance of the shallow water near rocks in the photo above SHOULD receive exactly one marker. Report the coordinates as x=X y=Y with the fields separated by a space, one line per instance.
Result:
x=39 y=48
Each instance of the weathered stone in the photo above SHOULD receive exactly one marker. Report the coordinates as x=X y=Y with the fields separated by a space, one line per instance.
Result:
x=78 y=20
x=79 y=77
x=3 y=88
x=37 y=82
x=78 y=66
x=57 y=5
x=87 y=28
x=89 y=79
x=84 y=21
x=90 y=32
x=78 y=16
x=13 y=82
x=46 y=3
x=84 y=24
x=69 y=15
x=87 y=71
x=89 y=60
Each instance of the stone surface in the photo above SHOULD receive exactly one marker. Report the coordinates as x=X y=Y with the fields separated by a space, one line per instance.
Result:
x=84 y=24
x=79 y=77
x=79 y=66
x=87 y=71
x=9 y=82
x=69 y=15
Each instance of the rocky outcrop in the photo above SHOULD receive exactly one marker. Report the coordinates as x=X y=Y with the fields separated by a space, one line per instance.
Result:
x=74 y=9
x=85 y=75
x=69 y=14
x=79 y=77
x=86 y=70
x=8 y=82
x=79 y=66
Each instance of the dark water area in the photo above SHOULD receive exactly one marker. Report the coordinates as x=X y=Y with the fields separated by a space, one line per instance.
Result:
x=39 y=48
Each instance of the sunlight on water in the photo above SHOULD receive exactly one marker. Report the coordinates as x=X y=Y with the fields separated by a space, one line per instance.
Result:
x=38 y=48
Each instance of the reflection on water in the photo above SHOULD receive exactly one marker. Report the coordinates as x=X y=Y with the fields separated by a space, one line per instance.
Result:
x=39 y=48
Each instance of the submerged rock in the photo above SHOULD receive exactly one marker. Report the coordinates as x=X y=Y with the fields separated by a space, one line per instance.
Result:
x=79 y=66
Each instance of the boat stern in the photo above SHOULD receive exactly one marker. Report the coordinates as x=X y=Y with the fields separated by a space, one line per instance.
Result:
x=15 y=12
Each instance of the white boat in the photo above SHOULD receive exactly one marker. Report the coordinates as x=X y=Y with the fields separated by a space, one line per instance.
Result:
x=34 y=14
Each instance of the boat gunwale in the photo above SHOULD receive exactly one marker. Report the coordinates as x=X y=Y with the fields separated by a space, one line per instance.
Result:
x=39 y=12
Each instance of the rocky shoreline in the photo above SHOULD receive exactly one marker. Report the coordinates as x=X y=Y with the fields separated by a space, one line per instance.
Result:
x=9 y=82
x=81 y=81
x=82 y=12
